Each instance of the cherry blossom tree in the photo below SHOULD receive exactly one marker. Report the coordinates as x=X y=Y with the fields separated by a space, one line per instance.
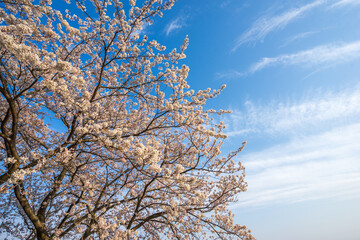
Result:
x=101 y=137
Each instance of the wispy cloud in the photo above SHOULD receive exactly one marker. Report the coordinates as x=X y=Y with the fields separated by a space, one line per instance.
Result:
x=265 y=25
x=175 y=24
x=318 y=166
x=319 y=157
x=229 y=74
x=343 y=3
x=315 y=56
x=289 y=117
x=225 y=3
x=298 y=37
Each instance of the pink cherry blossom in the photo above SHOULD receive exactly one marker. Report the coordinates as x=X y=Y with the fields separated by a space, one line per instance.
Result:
x=101 y=137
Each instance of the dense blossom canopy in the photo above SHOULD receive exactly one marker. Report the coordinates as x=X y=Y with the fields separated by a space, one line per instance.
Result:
x=101 y=137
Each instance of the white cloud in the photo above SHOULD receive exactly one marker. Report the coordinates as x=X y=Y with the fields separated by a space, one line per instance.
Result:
x=325 y=109
x=323 y=54
x=177 y=23
x=265 y=25
x=342 y=3
x=229 y=74
x=318 y=159
x=325 y=165
x=298 y=37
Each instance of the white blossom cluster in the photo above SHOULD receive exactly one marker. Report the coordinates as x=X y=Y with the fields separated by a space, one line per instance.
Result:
x=101 y=135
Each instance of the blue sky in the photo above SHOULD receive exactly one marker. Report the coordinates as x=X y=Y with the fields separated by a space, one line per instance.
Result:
x=292 y=71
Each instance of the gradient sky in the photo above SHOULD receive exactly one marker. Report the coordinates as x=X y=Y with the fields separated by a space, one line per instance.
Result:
x=292 y=71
